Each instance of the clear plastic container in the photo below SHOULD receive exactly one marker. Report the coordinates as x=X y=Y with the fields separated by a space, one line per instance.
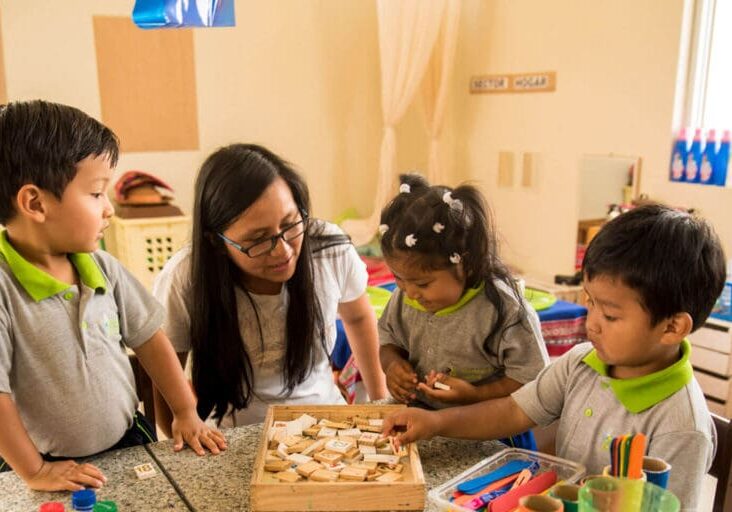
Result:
x=567 y=471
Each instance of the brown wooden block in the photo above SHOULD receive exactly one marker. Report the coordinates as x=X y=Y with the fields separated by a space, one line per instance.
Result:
x=338 y=425
x=300 y=447
x=328 y=457
x=351 y=473
x=291 y=440
x=323 y=475
x=287 y=476
x=339 y=446
x=312 y=431
x=389 y=476
x=276 y=466
x=308 y=468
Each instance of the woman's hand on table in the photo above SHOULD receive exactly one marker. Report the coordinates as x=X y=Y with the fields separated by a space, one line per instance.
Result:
x=460 y=392
x=189 y=429
x=66 y=475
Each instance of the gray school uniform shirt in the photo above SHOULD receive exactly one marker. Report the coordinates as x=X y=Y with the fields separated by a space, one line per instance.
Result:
x=454 y=339
x=62 y=349
x=667 y=406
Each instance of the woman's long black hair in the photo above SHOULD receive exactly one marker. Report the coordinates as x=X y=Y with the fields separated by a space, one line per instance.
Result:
x=230 y=180
x=467 y=231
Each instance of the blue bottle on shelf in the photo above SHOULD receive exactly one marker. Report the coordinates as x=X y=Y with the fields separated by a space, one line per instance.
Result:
x=678 y=157
x=721 y=162
x=708 y=157
x=693 y=159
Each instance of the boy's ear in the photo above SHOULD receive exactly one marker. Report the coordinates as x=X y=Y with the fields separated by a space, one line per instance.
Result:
x=30 y=203
x=677 y=328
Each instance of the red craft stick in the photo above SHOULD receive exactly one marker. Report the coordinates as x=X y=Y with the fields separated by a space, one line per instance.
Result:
x=510 y=500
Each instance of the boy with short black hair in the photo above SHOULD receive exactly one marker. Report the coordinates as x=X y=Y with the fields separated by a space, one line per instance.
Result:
x=651 y=276
x=67 y=311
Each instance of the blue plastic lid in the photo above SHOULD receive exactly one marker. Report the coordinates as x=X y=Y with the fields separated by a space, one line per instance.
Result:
x=84 y=499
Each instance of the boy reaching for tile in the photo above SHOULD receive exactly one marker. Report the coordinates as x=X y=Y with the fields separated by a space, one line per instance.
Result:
x=651 y=276
x=67 y=311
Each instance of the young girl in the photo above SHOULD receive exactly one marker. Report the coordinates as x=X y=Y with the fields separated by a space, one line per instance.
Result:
x=255 y=296
x=456 y=331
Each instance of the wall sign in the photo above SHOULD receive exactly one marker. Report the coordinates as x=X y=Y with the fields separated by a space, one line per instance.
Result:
x=545 y=81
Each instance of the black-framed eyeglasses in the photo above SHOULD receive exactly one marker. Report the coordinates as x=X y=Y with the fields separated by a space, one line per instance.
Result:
x=267 y=245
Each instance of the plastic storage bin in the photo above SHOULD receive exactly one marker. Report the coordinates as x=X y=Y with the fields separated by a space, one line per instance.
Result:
x=145 y=245
x=567 y=471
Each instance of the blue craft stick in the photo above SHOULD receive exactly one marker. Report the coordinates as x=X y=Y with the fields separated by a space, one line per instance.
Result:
x=476 y=484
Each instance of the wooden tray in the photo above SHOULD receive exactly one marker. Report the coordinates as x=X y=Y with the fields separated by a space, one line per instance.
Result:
x=268 y=494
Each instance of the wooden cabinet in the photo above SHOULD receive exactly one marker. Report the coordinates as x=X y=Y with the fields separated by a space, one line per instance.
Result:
x=712 y=361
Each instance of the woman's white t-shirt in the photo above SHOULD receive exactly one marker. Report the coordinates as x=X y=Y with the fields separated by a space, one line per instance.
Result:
x=339 y=276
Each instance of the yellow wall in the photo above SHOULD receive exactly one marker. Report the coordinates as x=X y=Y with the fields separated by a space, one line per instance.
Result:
x=616 y=64
x=302 y=77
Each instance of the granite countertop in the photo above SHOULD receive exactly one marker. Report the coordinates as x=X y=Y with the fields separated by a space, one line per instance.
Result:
x=216 y=483
x=123 y=487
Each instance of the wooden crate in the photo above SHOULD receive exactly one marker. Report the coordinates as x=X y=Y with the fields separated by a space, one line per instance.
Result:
x=268 y=494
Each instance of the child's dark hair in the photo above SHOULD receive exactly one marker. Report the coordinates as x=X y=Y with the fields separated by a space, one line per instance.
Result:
x=673 y=259
x=41 y=143
x=230 y=180
x=438 y=227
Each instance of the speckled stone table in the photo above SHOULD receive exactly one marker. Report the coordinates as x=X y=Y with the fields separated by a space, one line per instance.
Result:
x=214 y=483
x=221 y=483
x=130 y=493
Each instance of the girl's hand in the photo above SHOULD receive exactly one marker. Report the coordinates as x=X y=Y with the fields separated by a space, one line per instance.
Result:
x=188 y=427
x=460 y=392
x=66 y=475
x=401 y=380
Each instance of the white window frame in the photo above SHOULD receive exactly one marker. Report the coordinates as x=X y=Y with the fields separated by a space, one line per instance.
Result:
x=696 y=52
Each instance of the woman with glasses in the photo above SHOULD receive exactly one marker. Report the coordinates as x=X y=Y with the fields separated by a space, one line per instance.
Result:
x=254 y=298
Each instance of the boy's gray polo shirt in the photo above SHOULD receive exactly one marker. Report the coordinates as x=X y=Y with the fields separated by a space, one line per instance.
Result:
x=62 y=349
x=592 y=408
x=454 y=338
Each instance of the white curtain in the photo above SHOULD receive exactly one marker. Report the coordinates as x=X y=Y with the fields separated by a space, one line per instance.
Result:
x=408 y=30
x=436 y=85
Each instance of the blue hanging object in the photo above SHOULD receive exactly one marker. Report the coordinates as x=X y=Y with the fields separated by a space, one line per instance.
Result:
x=183 y=13
x=693 y=158
x=721 y=163
x=708 y=159
x=678 y=157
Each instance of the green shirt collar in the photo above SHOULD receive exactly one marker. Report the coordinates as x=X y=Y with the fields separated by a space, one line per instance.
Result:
x=41 y=285
x=641 y=393
x=467 y=297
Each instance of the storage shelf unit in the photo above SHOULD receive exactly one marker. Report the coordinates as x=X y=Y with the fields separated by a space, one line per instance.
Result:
x=711 y=356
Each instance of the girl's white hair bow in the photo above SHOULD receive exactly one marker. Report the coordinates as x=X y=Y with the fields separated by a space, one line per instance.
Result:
x=452 y=203
x=410 y=240
x=404 y=188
